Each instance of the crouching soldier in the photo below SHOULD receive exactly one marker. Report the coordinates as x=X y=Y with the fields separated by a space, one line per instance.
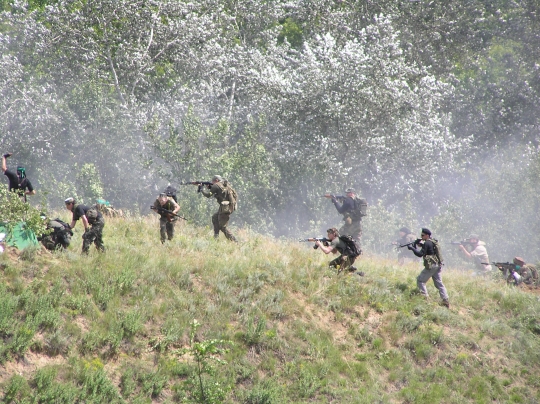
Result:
x=59 y=237
x=346 y=247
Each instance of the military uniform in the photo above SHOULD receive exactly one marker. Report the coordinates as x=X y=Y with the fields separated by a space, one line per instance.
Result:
x=95 y=233
x=529 y=274
x=166 y=221
x=220 y=219
x=343 y=262
x=60 y=237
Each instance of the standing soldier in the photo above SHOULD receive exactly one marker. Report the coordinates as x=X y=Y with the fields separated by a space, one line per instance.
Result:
x=353 y=209
x=477 y=253
x=167 y=208
x=17 y=182
x=92 y=221
x=433 y=261
x=226 y=198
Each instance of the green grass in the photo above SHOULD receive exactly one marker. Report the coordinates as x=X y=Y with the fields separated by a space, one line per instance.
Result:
x=116 y=327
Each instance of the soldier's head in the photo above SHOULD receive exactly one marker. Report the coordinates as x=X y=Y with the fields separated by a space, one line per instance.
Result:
x=404 y=231
x=474 y=238
x=70 y=203
x=216 y=178
x=21 y=172
x=425 y=233
x=518 y=261
x=332 y=233
x=163 y=198
x=350 y=192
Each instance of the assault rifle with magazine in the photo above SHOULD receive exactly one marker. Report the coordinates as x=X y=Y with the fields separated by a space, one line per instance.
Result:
x=323 y=240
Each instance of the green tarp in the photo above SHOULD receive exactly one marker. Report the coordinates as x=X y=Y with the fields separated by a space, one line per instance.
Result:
x=19 y=237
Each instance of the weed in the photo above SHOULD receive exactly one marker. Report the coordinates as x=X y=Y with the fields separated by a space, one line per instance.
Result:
x=201 y=387
x=17 y=390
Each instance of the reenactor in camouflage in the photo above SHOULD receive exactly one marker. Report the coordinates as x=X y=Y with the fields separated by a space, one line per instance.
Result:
x=167 y=209
x=223 y=193
x=528 y=272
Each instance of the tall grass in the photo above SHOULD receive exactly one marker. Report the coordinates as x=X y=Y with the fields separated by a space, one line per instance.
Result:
x=109 y=327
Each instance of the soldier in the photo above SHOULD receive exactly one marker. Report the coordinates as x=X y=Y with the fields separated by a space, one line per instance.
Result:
x=59 y=238
x=477 y=253
x=17 y=182
x=92 y=221
x=433 y=261
x=226 y=198
x=405 y=237
x=528 y=272
x=335 y=245
x=165 y=205
x=353 y=209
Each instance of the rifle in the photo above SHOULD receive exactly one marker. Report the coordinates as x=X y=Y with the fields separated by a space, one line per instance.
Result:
x=338 y=197
x=463 y=243
x=413 y=243
x=199 y=184
x=503 y=266
x=323 y=240
x=169 y=213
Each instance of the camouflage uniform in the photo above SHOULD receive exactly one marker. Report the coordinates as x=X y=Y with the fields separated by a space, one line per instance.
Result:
x=343 y=262
x=166 y=226
x=59 y=238
x=94 y=235
x=529 y=274
x=220 y=219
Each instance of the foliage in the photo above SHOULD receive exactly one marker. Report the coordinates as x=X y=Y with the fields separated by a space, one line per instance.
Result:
x=203 y=386
x=13 y=210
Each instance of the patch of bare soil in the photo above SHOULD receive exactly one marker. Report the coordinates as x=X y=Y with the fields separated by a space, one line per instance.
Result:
x=28 y=365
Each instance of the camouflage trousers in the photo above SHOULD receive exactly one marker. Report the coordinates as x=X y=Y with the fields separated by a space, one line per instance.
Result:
x=353 y=229
x=342 y=263
x=435 y=273
x=94 y=235
x=166 y=229
x=220 y=222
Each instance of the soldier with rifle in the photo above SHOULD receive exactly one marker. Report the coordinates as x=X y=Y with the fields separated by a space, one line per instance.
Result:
x=167 y=209
x=475 y=250
x=226 y=198
x=433 y=261
x=518 y=271
x=346 y=247
x=353 y=209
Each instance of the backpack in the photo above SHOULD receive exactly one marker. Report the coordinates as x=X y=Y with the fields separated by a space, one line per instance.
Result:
x=437 y=250
x=232 y=196
x=351 y=248
x=360 y=208
x=92 y=214
x=171 y=191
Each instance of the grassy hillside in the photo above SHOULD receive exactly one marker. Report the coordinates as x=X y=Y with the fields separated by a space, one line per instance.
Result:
x=120 y=327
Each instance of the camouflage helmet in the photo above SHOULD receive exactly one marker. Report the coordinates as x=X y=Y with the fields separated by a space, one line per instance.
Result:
x=217 y=178
x=519 y=261
x=350 y=190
